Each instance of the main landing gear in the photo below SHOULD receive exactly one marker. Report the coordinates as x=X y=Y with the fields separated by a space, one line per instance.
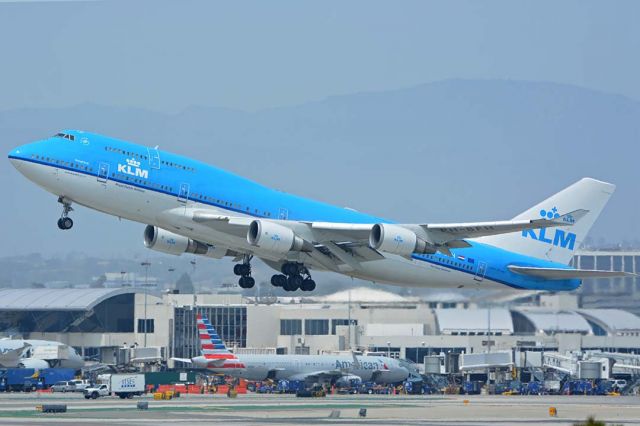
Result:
x=65 y=222
x=294 y=276
x=243 y=270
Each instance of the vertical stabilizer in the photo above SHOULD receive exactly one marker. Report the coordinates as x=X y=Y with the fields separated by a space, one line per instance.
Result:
x=210 y=342
x=557 y=244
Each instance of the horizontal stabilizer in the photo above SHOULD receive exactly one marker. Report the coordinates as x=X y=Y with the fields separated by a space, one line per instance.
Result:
x=567 y=274
x=185 y=360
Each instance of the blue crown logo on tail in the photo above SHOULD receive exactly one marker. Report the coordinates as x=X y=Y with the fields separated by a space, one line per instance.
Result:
x=560 y=237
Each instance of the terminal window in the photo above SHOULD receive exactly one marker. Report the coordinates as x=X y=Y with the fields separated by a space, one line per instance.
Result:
x=149 y=326
x=316 y=327
x=290 y=327
x=337 y=322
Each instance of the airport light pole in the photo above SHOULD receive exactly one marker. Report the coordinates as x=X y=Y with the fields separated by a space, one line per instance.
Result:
x=488 y=346
x=349 y=321
x=488 y=328
x=146 y=277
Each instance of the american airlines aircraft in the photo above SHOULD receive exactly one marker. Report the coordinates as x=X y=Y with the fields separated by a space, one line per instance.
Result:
x=309 y=368
x=192 y=207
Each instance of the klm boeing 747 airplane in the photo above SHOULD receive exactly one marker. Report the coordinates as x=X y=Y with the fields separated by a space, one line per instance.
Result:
x=192 y=207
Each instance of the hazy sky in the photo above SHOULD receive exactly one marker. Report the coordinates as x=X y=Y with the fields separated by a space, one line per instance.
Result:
x=255 y=55
x=258 y=54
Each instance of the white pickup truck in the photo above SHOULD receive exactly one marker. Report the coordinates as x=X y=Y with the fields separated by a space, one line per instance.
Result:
x=96 y=391
x=122 y=385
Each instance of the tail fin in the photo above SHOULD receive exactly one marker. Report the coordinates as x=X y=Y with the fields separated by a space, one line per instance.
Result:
x=210 y=342
x=558 y=244
x=212 y=347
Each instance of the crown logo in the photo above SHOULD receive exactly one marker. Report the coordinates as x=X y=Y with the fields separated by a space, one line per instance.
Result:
x=132 y=162
x=550 y=214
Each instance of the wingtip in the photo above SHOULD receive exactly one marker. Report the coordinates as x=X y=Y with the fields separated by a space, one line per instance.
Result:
x=572 y=217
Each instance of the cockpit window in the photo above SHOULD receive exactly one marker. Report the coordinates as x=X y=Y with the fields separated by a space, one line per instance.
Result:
x=65 y=136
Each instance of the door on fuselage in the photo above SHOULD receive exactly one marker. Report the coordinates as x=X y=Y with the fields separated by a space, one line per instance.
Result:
x=103 y=172
x=481 y=271
x=154 y=158
x=183 y=194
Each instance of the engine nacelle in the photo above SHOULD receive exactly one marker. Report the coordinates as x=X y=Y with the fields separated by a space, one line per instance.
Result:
x=275 y=238
x=167 y=242
x=33 y=363
x=349 y=380
x=395 y=239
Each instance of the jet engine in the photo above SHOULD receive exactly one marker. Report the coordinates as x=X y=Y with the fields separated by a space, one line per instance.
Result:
x=167 y=242
x=33 y=363
x=275 y=238
x=349 y=380
x=395 y=239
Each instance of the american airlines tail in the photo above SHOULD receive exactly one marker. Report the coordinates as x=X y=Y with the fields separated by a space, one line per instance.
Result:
x=558 y=244
x=213 y=348
x=210 y=342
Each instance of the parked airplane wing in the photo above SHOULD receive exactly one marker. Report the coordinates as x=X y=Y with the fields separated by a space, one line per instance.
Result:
x=566 y=274
x=10 y=356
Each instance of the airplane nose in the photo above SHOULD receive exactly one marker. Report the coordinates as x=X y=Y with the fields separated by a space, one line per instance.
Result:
x=15 y=155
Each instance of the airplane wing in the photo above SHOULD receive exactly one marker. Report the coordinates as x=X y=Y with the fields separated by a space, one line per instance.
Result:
x=567 y=274
x=11 y=357
x=448 y=232
x=342 y=246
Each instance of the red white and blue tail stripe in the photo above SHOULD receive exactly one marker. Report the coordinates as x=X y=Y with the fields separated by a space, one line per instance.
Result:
x=212 y=346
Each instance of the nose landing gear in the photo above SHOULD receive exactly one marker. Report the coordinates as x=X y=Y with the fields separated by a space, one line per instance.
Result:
x=294 y=276
x=243 y=270
x=65 y=222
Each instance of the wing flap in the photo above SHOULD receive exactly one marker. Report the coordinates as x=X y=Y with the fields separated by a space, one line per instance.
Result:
x=567 y=274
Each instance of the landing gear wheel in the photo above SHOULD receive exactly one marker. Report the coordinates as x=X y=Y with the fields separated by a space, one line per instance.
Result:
x=246 y=282
x=278 y=280
x=308 y=285
x=65 y=223
x=242 y=269
x=293 y=283
x=291 y=268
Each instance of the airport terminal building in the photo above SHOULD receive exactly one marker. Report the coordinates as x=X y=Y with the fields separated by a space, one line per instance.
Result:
x=100 y=323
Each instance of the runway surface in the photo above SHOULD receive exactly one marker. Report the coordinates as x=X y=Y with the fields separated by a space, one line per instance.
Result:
x=19 y=409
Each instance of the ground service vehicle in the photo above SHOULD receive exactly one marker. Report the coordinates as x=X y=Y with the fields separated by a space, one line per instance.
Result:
x=127 y=385
x=64 y=386
x=316 y=391
x=96 y=391
x=80 y=385
x=122 y=385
